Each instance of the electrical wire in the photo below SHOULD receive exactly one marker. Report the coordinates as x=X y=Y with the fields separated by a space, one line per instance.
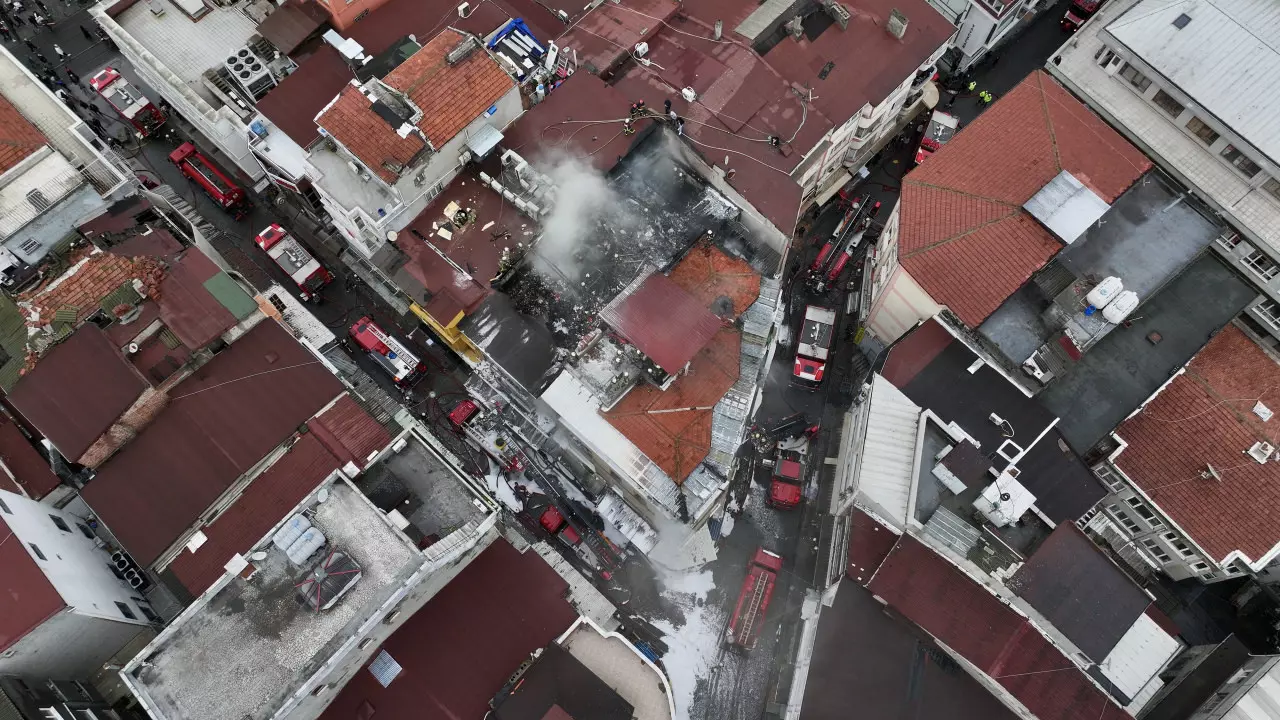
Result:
x=673 y=28
x=246 y=377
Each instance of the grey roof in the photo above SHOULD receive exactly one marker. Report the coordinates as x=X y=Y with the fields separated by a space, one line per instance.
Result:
x=1066 y=207
x=1073 y=584
x=1181 y=699
x=1226 y=58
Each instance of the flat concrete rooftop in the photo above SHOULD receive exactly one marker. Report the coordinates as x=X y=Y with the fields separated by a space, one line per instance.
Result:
x=242 y=648
x=188 y=48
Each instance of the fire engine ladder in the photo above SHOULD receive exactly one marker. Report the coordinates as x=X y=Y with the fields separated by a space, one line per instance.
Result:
x=753 y=607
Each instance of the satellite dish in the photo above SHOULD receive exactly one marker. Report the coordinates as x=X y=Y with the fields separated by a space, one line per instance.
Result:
x=391 y=235
x=322 y=495
x=133 y=348
x=1004 y=497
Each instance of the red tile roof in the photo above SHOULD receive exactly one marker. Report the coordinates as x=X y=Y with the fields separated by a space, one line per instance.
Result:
x=868 y=63
x=934 y=594
x=27 y=598
x=219 y=422
x=186 y=307
x=459 y=649
x=352 y=121
x=264 y=503
x=673 y=428
x=77 y=391
x=1205 y=417
x=31 y=472
x=294 y=103
x=709 y=274
x=84 y=287
x=964 y=235
x=869 y=544
x=450 y=96
x=663 y=321
x=18 y=137
x=348 y=432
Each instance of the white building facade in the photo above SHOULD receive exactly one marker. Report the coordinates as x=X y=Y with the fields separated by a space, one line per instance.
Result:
x=100 y=612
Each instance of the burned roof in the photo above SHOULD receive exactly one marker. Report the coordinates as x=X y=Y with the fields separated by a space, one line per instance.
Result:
x=663 y=321
x=450 y=94
x=964 y=235
x=559 y=685
x=353 y=120
x=1205 y=417
x=219 y=422
x=77 y=390
x=18 y=137
x=491 y=617
x=1081 y=591
x=931 y=367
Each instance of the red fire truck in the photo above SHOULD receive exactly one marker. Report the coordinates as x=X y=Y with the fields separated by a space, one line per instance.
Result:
x=1078 y=13
x=816 y=333
x=786 y=487
x=403 y=366
x=753 y=600
x=294 y=259
x=132 y=105
x=196 y=166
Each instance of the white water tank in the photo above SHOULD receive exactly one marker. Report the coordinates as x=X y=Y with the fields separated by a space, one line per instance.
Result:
x=1120 y=307
x=1104 y=292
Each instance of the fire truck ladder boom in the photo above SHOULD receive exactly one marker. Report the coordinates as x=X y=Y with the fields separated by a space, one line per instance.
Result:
x=752 y=609
x=848 y=231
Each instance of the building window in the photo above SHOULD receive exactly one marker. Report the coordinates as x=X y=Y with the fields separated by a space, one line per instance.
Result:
x=84 y=530
x=1200 y=566
x=1108 y=476
x=29 y=246
x=1233 y=570
x=1145 y=512
x=1240 y=161
x=1156 y=551
x=36 y=549
x=1104 y=57
x=1135 y=78
x=1230 y=240
x=5 y=508
x=1269 y=312
x=125 y=611
x=1262 y=265
x=38 y=200
x=1165 y=102
x=1272 y=186
x=62 y=524
x=1129 y=523
x=148 y=614
x=1207 y=135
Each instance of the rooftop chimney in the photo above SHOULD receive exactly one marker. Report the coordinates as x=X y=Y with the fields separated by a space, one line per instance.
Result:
x=461 y=51
x=796 y=27
x=839 y=13
x=897 y=25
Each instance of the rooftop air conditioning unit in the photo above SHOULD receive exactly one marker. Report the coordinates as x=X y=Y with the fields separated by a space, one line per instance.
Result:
x=1261 y=451
x=250 y=72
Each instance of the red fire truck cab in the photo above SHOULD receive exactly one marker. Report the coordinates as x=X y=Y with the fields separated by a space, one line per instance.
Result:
x=816 y=333
x=553 y=522
x=753 y=600
x=786 y=487
x=294 y=259
x=1078 y=13
x=403 y=366
x=132 y=105
x=941 y=128
x=196 y=166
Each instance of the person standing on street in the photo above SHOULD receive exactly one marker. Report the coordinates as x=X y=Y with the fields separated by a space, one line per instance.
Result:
x=40 y=56
x=87 y=35
x=62 y=54
x=71 y=75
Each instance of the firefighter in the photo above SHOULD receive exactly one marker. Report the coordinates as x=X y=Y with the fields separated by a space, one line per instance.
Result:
x=985 y=97
x=627 y=127
x=973 y=84
x=637 y=108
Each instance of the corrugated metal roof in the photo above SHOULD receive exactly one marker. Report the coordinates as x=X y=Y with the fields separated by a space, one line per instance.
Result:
x=888 y=455
x=1226 y=58
x=31 y=470
x=219 y=422
x=13 y=340
x=350 y=433
x=664 y=321
x=77 y=390
x=1066 y=207
x=1140 y=654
